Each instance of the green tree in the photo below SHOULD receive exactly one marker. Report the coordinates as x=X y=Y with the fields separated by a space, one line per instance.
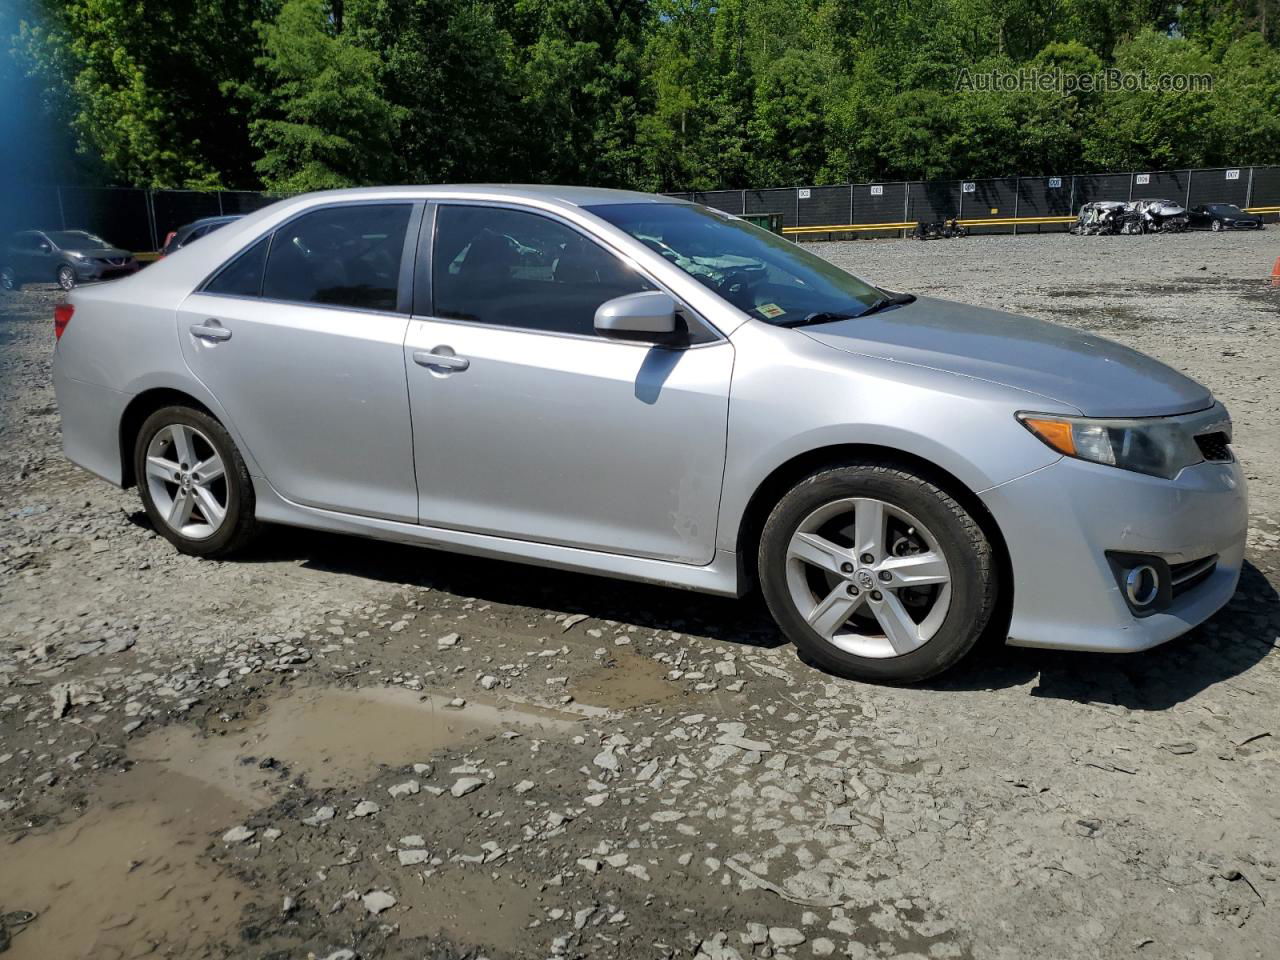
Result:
x=320 y=118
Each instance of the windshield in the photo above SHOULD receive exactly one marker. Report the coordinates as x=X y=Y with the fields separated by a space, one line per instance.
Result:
x=77 y=240
x=757 y=271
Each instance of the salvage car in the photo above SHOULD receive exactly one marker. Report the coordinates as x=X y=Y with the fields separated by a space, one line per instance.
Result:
x=1224 y=216
x=1158 y=216
x=64 y=257
x=641 y=387
x=190 y=232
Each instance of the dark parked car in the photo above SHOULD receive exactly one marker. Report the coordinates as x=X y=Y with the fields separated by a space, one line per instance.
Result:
x=1224 y=216
x=194 y=231
x=64 y=257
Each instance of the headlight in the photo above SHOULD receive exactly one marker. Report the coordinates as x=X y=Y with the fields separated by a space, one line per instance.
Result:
x=1154 y=446
x=76 y=256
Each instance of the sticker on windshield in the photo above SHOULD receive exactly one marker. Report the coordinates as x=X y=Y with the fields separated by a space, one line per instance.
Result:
x=770 y=310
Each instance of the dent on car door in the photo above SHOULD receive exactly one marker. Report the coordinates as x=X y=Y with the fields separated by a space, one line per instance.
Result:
x=529 y=425
x=301 y=340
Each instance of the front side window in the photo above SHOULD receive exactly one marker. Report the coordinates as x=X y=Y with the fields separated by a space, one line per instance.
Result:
x=760 y=273
x=346 y=256
x=508 y=268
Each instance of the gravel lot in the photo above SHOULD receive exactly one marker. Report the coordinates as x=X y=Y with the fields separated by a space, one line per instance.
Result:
x=336 y=748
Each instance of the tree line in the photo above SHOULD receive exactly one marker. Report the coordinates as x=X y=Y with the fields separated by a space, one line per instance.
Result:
x=649 y=94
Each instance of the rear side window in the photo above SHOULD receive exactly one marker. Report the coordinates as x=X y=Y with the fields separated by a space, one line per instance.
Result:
x=242 y=277
x=513 y=269
x=345 y=256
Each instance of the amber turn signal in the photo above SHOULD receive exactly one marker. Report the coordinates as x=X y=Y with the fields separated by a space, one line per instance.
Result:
x=1056 y=433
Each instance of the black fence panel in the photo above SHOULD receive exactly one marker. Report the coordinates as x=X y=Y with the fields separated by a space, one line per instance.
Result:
x=1219 y=186
x=728 y=201
x=933 y=200
x=776 y=200
x=1040 y=197
x=119 y=215
x=1169 y=185
x=879 y=203
x=245 y=201
x=1265 y=191
x=176 y=208
x=1102 y=186
x=987 y=200
x=30 y=209
x=824 y=206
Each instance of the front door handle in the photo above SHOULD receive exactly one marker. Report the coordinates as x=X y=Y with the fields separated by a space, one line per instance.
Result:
x=441 y=361
x=210 y=330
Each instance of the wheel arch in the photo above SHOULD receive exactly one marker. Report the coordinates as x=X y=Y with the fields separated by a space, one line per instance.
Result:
x=789 y=473
x=135 y=414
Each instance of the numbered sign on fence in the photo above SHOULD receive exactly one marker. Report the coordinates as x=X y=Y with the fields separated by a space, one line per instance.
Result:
x=1233 y=174
x=803 y=193
x=877 y=190
x=969 y=186
x=1142 y=179
x=1055 y=183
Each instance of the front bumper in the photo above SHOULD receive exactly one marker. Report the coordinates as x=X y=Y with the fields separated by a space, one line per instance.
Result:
x=1060 y=521
x=95 y=270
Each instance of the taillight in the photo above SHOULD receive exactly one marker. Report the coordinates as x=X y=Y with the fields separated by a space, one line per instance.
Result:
x=61 y=317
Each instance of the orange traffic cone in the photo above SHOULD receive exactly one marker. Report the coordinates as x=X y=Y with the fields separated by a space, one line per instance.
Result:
x=1275 y=274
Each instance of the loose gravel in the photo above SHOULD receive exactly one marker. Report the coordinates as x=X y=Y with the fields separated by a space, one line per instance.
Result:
x=337 y=748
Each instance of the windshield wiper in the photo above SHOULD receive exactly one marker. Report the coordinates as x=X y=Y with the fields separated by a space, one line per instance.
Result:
x=819 y=316
x=897 y=300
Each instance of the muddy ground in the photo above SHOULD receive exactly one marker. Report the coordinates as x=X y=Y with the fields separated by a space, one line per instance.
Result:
x=336 y=748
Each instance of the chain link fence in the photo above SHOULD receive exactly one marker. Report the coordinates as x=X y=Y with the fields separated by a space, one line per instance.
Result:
x=139 y=219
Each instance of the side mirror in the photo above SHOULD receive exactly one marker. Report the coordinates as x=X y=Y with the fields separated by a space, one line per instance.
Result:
x=647 y=316
x=45 y=248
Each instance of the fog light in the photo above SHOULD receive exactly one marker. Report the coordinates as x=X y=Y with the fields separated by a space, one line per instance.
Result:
x=1142 y=585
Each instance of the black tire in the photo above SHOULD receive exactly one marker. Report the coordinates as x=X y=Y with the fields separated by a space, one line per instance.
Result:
x=66 y=277
x=1216 y=227
x=9 y=282
x=240 y=524
x=969 y=555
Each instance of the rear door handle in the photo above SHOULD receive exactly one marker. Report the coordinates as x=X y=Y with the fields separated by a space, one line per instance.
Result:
x=441 y=361
x=210 y=330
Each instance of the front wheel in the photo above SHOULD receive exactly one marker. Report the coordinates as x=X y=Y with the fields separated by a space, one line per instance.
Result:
x=876 y=573
x=8 y=279
x=1217 y=226
x=193 y=482
x=66 y=277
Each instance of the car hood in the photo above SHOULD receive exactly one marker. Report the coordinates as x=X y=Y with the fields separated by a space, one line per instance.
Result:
x=1096 y=376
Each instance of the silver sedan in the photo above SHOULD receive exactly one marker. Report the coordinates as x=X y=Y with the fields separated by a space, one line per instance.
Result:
x=651 y=389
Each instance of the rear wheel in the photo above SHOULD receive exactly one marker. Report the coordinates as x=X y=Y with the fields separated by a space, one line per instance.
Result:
x=1217 y=226
x=66 y=277
x=876 y=573
x=193 y=482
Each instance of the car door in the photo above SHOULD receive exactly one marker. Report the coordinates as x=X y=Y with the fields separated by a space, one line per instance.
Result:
x=529 y=425
x=301 y=339
x=30 y=254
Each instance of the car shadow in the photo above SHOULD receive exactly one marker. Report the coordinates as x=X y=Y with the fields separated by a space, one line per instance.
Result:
x=1226 y=645
x=1233 y=640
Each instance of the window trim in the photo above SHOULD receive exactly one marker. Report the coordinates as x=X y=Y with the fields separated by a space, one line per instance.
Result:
x=404 y=279
x=424 y=293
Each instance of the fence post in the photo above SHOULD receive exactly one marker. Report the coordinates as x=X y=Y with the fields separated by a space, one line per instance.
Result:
x=960 y=208
x=906 y=206
x=1190 y=174
x=1072 y=209
x=62 y=214
x=743 y=202
x=149 y=203
x=851 y=221
x=1248 y=191
x=1017 y=190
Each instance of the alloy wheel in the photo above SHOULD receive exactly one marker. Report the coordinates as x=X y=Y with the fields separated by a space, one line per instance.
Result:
x=187 y=481
x=8 y=279
x=66 y=278
x=868 y=577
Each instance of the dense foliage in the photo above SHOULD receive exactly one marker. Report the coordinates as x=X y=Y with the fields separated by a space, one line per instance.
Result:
x=654 y=94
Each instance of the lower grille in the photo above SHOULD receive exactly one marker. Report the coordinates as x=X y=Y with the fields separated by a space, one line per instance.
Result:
x=1189 y=575
x=1215 y=446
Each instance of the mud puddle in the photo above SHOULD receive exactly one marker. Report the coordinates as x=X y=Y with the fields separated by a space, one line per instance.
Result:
x=628 y=680
x=471 y=907
x=128 y=878
x=339 y=736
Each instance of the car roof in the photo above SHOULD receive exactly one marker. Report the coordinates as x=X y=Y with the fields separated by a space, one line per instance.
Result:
x=568 y=195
